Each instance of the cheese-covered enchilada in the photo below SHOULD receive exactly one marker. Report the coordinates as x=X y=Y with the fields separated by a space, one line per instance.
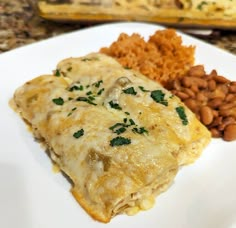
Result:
x=119 y=136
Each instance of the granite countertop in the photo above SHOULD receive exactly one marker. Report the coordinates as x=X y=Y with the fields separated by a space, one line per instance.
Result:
x=20 y=25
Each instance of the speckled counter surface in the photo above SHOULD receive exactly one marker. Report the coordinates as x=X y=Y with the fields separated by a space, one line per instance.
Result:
x=20 y=25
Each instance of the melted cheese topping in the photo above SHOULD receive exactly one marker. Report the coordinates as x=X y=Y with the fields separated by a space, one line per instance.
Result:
x=227 y=8
x=114 y=132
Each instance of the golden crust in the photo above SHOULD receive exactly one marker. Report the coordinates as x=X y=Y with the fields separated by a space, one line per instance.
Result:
x=217 y=13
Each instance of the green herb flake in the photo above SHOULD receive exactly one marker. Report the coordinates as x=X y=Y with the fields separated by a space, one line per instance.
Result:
x=85 y=99
x=89 y=93
x=98 y=83
x=78 y=133
x=57 y=73
x=182 y=115
x=100 y=91
x=127 y=68
x=119 y=141
x=89 y=59
x=120 y=130
x=116 y=125
x=58 y=101
x=114 y=105
x=140 y=130
x=127 y=113
x=91 y=98
x=70 y=113
x=70 y=98
x=131 y=122
x=143 y=89
x=158 y=96
x=200 y=5
x=130 y=91
x=75 y=87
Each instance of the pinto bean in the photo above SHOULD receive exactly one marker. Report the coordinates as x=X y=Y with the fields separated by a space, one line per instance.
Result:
x=197 y=71
x=176 y=84
x=229 y=97
x=215 y=113
x=194 y=88
x=201 y=97
x=233 y=83
x=199 y=82
x=211 y=97
x=215 y=103
x=212 y=85
x=189 y=92
x=228 y=112
x=226 y=106
x=230 y=132
x=183 y=96
x=186 y=81
x=215 y=133
x=191 y=104
x=226 y=121
x=206 y=115
x=232 y=89
x=220 y=79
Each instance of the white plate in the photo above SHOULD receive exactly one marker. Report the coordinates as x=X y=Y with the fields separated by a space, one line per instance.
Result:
x=32 y=196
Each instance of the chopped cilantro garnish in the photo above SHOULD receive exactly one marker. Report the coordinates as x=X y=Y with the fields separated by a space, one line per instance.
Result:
x=98 y=83
x=57 y=73
x=58 y=101
x=70 y=98
x=119 y=141
x=75 y=87
x=200 y=6
x=89 y=59
x=116 y=125
x=120 y=130
x=140 y=130
x=131 y=122
x=91 y=98
x=85 y=99
x=158 y=96
x=79 y=133
x=127 y=113
x=100 y=91
x=89 y=93
x=181 y=112
x=130 y=91
x=142 y=88
x=114 y=105
x=73 y=109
